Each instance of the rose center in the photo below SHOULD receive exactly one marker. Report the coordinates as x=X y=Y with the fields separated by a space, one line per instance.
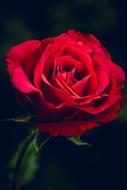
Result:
x=67 y=71
x=71 y=75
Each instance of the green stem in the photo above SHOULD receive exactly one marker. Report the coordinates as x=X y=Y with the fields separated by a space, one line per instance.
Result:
x=38 y=148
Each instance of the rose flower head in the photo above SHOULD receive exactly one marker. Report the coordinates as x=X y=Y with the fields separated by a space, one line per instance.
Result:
x=69 y=81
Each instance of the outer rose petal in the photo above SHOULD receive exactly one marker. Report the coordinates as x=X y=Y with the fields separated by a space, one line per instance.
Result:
x=98 y=109
x=117 y=80
x=120 y=74
x=67 y=128
x=90 y=40
x=111 y=113
x=34 y=57
x=21 y=82
x=18 y=54
x=101 y=61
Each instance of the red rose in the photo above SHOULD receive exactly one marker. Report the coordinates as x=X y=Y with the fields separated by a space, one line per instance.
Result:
x=70 y=82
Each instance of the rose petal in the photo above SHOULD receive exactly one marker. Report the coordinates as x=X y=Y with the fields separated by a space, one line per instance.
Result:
x=90 y=42
x=63 y=95
x=19 y=54
x=40 y=66
x=21 y=82
x=35 y=56
x=103 y=81
x=84 y=59
x=64 y=86
x=101 y=61
x=117 y=80
x=51 y=112
x=98 y=109
x=67 y=128
x=79 y=87
x=111 y=113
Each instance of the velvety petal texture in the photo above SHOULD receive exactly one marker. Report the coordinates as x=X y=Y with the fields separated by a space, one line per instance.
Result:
x=69 y=81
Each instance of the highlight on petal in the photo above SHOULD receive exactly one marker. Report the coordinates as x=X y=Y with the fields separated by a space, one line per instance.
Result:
x=21 y=82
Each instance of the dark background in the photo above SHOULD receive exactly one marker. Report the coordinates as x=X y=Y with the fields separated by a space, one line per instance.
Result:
x=64 y=166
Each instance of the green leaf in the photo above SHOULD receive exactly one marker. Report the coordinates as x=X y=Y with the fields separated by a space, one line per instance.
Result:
x=77 y=141
x=29 y=165
x=24 y=163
